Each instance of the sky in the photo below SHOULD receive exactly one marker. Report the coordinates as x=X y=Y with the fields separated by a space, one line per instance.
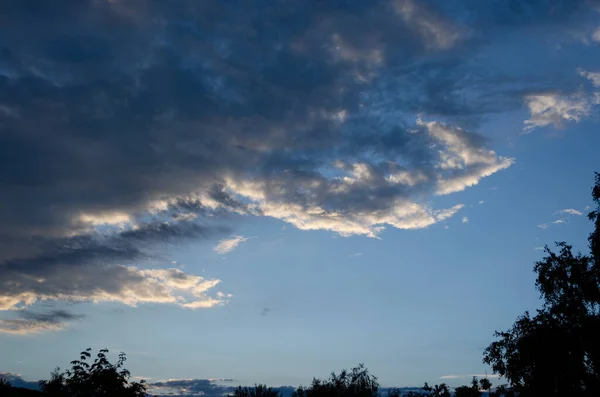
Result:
x=235 y=192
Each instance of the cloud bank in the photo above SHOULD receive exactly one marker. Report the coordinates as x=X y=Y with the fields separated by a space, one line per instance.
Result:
x=138 y=126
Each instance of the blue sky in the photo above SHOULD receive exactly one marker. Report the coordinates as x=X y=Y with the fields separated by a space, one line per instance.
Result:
x=268 y=192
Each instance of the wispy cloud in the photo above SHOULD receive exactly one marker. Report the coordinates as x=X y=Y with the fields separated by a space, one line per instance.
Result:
x=465 y=219
x=356 y=255
x=481 y=201
x=464 y=376
x=566 y=213
x=228 y=245
x=570 y=211
x=548 y=224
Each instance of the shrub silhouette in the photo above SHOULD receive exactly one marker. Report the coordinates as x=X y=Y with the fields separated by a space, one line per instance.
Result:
x=100 y=378
x=354 y=383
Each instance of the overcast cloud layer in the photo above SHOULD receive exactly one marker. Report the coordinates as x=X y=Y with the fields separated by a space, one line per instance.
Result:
x=127 y=125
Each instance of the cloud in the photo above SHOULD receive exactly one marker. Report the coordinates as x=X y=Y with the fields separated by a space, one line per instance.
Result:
x=546 y=109
x=33 y=323
x=566 y=213
x=228 y=245
x=557 y=109
x=435 y=30
x=481 y=201
x=465 y=219
x=548 y=224
x=128 y=285
x=570 y=211
x=596 y=35
x=132 y=128
x=593 y=77
x=82 y=268
x=469 y=376
x=356 y=255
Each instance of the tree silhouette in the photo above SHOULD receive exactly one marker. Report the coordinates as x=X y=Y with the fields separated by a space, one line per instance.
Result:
x=485 y=384
x=355 y=383
x=100 y=378
x=468 y=391
x=4 y=385
x=556 y=352
x=503 y=391
x=441 y=390
x=256 y=391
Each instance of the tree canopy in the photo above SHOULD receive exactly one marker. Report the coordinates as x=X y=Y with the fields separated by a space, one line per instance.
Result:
x=556 y=352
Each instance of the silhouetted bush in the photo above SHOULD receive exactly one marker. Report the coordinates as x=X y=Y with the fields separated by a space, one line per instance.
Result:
x=355 y=383
x=256 y=391
x=100 y=378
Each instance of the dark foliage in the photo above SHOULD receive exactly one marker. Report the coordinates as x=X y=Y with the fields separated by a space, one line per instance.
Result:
x=7 y=390
x=556 y=352
x=256 y=391
x=354 y=383
x=428 y=391
x=468 y=391
x=100 y=378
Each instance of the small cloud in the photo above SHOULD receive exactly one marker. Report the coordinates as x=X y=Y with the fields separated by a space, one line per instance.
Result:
x=570 y=211
x=227 y=245
x=538 y=248
x=548 y=224
x=481 y=201
x=356 y=255
x=465 y=219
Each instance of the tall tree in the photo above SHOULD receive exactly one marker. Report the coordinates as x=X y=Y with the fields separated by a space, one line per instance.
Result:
x=556 y=352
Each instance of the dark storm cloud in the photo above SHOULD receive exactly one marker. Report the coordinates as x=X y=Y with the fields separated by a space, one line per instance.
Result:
x=125 y=123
